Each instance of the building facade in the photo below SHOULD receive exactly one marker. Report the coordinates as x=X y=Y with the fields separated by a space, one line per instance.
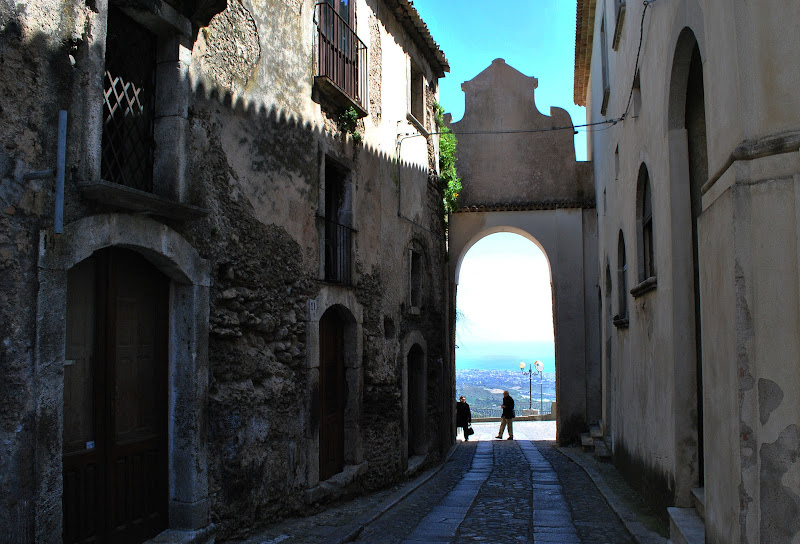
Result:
x=223 y=263
x=697 y=177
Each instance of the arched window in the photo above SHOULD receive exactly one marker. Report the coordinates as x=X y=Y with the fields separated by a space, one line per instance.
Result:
x=644 y=208
x=621 y=319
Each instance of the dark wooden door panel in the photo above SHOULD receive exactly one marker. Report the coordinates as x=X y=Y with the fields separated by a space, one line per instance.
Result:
x=332 y=392
x=115 y=486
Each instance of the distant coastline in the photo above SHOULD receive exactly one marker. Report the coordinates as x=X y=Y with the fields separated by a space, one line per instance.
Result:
x=504 y=355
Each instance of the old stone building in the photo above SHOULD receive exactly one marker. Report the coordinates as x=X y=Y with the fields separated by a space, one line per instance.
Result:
x=697 y=177
x=222 y=265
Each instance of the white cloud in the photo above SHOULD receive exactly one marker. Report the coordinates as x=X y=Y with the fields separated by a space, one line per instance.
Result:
x=504 y=291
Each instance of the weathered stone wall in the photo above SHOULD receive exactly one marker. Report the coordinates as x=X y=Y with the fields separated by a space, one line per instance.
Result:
x=34 y=56
x=255 y=155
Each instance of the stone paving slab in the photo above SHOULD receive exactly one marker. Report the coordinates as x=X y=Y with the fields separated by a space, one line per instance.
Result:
x=488 y=490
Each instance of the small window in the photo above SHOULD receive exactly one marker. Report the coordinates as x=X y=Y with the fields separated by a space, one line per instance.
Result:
x=620 y=18
x=417 y=94
x=616 y=163
x=621 y=319
x=604 y=55
x=415 y=276
x=636 y=97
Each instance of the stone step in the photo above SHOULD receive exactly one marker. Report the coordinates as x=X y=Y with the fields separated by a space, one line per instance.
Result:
x=601 y=451
x=699 y=494
x=685 y=526
x=587 y=442
x=596 y=431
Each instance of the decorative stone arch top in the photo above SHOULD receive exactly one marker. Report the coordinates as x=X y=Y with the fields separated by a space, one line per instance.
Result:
x=494 y=230
x=330 y=296
x=412 y=338
x=165 y=248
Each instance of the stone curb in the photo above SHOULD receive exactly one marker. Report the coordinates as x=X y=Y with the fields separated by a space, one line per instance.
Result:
x=640 y=533
x=350 y=532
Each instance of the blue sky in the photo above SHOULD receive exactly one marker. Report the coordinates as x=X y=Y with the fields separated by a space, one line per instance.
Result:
x=504 y=285
x=537 y=37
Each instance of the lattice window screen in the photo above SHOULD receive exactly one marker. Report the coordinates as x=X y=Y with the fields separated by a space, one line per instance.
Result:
x=129 y=103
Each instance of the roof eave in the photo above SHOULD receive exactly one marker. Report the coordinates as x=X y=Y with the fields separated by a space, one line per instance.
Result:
x=409 y=18
x=584 y=38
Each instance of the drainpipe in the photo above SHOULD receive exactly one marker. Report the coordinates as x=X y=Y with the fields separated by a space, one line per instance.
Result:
x=60 y=167
x=61 y=160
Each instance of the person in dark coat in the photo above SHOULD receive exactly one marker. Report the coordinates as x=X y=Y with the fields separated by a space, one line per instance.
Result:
x=463 y=415
x=507 y=417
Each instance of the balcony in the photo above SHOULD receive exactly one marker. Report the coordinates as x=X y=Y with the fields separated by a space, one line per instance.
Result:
x=341 y=76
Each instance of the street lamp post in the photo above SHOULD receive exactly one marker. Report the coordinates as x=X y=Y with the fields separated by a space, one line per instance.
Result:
x=530 y=372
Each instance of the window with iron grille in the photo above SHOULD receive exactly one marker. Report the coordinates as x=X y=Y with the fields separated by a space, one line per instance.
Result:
x=338 y=235
x=129 y=103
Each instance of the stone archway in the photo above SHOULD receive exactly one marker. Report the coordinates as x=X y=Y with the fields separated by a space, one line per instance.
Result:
x=187 y=361
x=519 y=174
x=560 y=234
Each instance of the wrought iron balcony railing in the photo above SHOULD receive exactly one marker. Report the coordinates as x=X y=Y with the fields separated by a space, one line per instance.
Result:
x=338 y=252
x=341 y=57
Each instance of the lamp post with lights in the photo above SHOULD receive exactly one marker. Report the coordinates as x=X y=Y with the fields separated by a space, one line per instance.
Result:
x=539 y=366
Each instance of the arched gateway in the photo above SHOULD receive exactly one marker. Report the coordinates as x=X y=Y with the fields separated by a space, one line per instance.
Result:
x=520 y=177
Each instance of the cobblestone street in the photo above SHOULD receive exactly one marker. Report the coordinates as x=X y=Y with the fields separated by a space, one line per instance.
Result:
x=512 y=491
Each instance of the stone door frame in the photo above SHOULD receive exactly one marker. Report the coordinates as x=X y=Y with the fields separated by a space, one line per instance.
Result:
x=188 y=371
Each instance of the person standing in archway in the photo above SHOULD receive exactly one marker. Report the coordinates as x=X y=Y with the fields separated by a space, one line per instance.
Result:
x=507 y=418
x=463 y=416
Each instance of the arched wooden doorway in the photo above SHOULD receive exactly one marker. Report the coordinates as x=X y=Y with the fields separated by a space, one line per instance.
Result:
x=417 y=401
x=115 y=464
x=332 y=393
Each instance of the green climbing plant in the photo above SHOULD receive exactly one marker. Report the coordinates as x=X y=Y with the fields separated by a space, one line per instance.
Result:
x=348 y=122
x=448 y=175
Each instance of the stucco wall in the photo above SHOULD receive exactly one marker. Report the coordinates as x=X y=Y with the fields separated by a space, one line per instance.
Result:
x=500 y=129
x=747 y=233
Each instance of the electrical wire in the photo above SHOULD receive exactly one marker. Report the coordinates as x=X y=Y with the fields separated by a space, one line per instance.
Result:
x=646 y=4
x=588 y=126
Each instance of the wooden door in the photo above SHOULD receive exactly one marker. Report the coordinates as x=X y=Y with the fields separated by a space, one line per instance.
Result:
x=416 y=401
x=332 y=395
x=115 y=462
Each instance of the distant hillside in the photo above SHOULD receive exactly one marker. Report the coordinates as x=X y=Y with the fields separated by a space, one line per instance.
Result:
x=484 y=388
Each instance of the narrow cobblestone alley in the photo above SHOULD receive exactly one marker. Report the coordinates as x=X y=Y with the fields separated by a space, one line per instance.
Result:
x=515 y=491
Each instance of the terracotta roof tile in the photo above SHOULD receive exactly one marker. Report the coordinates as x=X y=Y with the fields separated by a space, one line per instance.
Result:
x=585 y=203
x=408 y=16
x=584 y=37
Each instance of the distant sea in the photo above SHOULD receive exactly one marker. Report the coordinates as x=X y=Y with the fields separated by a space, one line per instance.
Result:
x=504 y=355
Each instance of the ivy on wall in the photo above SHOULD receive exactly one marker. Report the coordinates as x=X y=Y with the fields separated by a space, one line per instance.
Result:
x=448 y=176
